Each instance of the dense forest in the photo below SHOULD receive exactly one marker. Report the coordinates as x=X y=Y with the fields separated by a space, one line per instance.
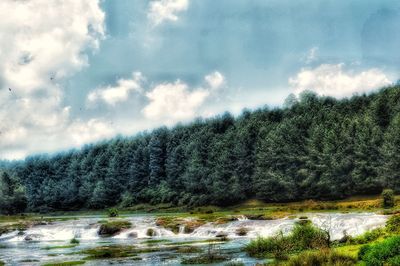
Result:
x=312 y=148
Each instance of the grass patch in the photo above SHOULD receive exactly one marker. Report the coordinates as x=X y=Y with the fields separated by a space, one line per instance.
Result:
x=111 y=228
x=2 y=263
x=174 y=223
x=155 y=241
x=107 y=252
x=320 y=258
x=188 y=249
x=393 y=224
x=74 y=241
x=211 y=256
x=65 y=263
x=304 y=236
x=59 y=247
x=386 y=252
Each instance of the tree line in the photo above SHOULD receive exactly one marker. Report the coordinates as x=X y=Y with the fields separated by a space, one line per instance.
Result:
x=311 y=148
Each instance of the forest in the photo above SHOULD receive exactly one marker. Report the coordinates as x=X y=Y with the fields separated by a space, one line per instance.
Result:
x=311 y=148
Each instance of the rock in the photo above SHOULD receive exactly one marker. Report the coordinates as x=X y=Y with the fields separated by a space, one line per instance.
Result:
x=31 y=237
x=133 y=235
x=112 y=228
x=221 y=234
x=242 y=231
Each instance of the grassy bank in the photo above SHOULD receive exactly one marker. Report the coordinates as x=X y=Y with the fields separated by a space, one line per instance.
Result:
x=308 y=245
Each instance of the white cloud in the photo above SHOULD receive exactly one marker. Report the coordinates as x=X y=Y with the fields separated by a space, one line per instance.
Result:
x=334 y=80
x=215 y=80
x=41 y=43
x=173 y=102
x=119 y=93
x=164 y=10
x=167 y=102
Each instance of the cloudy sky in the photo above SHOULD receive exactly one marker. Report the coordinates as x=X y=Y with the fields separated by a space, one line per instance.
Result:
x=75 y=72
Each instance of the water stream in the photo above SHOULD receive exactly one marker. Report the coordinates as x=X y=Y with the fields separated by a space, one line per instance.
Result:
x=35 y=246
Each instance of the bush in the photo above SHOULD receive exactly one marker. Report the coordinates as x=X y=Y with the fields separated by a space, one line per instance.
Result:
x=383 y=253
x=303 y=237
x=388 y=198
x=112 y=212
x=393 y=224
x=367 y=237
x=74 y=241
x=321 y=258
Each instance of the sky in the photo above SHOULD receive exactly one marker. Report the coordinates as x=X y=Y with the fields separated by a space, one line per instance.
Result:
x=77 y=72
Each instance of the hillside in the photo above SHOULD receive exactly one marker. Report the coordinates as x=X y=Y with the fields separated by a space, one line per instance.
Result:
x=314 y=148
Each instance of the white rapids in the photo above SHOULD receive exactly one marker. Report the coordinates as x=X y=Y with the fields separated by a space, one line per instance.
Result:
x=338 y=224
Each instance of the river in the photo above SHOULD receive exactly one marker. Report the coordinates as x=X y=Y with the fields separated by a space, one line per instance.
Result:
x=49 y=243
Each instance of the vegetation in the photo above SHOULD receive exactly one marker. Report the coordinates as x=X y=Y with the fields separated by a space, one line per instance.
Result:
x=111 y=228
x=74 y=241
x=320 y=258
x=106 y=252
x=65 y=263
x=211 y=256
x=393 y=224
x=112 y=212
x=316 y=148
x=303 y=237
x=388 y=198
x=386 y=252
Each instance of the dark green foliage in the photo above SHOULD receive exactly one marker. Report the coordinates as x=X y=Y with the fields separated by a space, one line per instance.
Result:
x=386 y=252
x=313 y=148
x=74 y=241
x=388 y=198
x=303 y=237
x=12 y=195
x=112 y=212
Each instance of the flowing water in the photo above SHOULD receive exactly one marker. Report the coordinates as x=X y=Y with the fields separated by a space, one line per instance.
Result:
x=38 y=244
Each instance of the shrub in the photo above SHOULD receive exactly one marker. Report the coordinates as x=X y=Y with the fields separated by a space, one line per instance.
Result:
x=367 y=237
x=74 y=241
x=303 y=236
x=393 y=224
x=321 y=258
x=150 y=232
x=112 y=212
x=388 y=198
x=383 y=253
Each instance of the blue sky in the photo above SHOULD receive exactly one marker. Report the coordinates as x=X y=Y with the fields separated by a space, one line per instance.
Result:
x=82 y=72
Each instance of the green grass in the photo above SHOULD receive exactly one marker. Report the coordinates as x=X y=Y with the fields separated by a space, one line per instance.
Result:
x=320 y=258
x=304 y=236
x=155 y=241
x=386 y=252
x=107 y=252
x=65 y=263
x=188 y=249
x=59 y=247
